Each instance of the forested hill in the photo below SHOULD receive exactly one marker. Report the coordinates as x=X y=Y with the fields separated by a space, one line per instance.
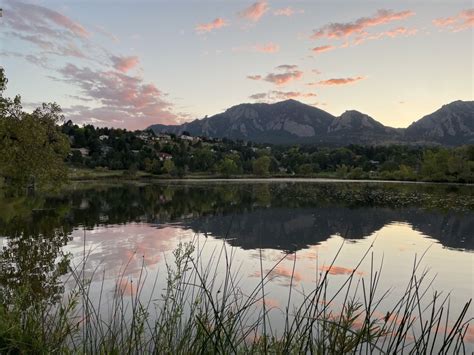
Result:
x=180 y=155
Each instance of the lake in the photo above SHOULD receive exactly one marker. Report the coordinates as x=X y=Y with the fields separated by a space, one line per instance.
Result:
x=293 y=232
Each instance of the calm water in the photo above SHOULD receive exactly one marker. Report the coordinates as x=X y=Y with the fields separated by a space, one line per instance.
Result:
x=123 y=227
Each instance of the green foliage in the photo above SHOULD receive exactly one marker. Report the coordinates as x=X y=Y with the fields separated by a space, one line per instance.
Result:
x=169 y=167
x=32 y=147
x=261 y=166
x=228 y=167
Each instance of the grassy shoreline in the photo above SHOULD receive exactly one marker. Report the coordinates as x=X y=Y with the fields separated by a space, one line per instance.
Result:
x=103 y=174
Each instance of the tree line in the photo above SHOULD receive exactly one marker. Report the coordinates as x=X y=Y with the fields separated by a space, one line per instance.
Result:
x=39 y=148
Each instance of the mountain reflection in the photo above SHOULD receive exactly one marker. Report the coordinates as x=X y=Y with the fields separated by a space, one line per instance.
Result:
x=293 y=229
x=286 y=216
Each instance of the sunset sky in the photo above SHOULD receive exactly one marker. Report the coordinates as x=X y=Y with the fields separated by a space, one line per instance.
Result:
x=134 y=63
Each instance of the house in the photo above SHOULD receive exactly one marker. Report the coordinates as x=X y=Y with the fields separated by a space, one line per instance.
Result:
x=163 y=137
x=164 y=156
x=84 y=151
x=144 y=136
x=103 y=137
x=186 y=138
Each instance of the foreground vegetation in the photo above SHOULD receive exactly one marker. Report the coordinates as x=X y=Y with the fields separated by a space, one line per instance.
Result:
x=204 y=310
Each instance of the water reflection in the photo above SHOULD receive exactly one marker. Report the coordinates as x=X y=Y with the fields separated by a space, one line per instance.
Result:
x=279 y=216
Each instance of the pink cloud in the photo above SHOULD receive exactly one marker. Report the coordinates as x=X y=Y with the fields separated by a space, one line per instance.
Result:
x=322 y=49
x=125 y=100
x=37 y=19
x=287 y=11
x=124 y=64
x=49 y=30
x=341 y=30
x=462 y=21
x=341 y=81
x=211 y=26
x=255 y=11
x=267 y=48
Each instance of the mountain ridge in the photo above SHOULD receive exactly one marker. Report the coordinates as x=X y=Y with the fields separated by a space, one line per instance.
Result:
x=293 y=122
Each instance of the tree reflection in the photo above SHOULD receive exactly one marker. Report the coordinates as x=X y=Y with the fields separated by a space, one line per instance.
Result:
x=286 y=216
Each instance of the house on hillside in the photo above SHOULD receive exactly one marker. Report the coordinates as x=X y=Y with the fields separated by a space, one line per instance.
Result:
x=103 y=137
x=164 y=156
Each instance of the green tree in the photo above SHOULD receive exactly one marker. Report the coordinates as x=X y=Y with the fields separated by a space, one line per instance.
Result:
x=228 y=167
x=32 y=147
x=261 y=165
x=169 y=167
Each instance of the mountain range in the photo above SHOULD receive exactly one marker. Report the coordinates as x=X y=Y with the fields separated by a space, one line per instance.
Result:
x=292 y=122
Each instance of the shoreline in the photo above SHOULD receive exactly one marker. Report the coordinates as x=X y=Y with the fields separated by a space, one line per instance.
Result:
x=246 y=179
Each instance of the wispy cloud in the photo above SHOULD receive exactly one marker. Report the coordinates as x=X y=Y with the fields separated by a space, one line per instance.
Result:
x=287 y=11
x=276 y=95
x=267 y=48
x=255 y=11
x=254 y=77
x=340 y=81
x=345 y=29
x=124 y=64
x=211 y=26
x=322 y=49
x=462 y=21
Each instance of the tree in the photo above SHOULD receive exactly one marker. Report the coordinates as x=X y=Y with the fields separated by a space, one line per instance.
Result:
x=228 y=167
x=261 y=165
x=169 y=167
x=32 y=147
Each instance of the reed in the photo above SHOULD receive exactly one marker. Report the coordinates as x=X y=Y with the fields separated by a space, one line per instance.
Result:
x=203 y=309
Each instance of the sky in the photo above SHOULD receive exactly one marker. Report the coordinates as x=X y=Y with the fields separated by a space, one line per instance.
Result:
x=131 y=64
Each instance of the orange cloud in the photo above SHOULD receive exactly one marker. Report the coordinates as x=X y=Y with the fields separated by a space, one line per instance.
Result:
x=267 y=48
x=287 y=11
x=341 y=81
x=339 y=270
x=124 y=64
x=462 y=21
x=341 y=30
x=211 y=26
x=322 y=49
x=396 y=32
x=255 y=11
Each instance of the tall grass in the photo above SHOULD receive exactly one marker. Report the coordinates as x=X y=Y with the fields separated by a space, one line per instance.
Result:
x=203 y=309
